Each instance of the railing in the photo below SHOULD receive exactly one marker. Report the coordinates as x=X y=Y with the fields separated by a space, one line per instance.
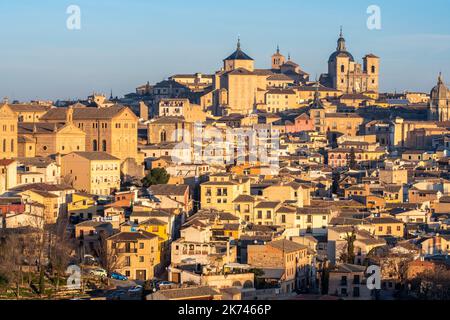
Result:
x=126 y=250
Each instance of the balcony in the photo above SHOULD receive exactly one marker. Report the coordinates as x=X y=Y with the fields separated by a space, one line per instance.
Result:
x=120 y=251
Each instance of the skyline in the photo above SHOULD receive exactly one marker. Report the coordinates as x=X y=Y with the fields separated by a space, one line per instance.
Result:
x=110 y=52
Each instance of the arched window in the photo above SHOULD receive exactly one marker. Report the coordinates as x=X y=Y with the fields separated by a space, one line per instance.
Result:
x=163 y=136
x=4 y=145
x=95 y=145
x=12 y=145
x=373 y=69
x=104 y=145
x=342 y=68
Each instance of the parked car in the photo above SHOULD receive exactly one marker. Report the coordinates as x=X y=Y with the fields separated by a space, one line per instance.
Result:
x=136 y=290
x=118 y=276
x=90 y=260
x=116 y=295
x=164 y=285
x=98 y=272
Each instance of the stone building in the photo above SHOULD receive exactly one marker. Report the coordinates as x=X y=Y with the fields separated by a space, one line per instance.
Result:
x=93 y=172
x=168 y=129
x=29 y=112
x=45 y=139
x=109 y=129
x=440 y=102
x=348 y=76
x=8 y=132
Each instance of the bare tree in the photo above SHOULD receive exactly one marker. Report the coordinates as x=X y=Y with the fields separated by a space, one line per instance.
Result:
x=433 y=285
x=348 y=252
x=108 y=256
x=11 y=260
x=61 y=248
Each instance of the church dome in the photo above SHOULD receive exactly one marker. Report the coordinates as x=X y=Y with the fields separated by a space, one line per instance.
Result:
x=238 y=54
x=341 y=54
x=440 y=90
x=341 y=50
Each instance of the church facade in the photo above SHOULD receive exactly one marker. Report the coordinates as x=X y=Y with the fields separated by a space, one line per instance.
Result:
x=239 y=88
x=348 y=76
x=439 y=102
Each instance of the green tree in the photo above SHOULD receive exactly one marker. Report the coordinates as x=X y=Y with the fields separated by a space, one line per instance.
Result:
x=325 y=279
x=156 y=176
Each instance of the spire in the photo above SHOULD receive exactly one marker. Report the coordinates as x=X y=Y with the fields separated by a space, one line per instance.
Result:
x=278 y=49
x=239 y=43
x=289 y=56
x=111 y=96
x=440 y=78
x=341 y=42
x=316 y=93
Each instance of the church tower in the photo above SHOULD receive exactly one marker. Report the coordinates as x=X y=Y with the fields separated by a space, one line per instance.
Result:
x=439 y=102
x=239 y=59
x=277 y=60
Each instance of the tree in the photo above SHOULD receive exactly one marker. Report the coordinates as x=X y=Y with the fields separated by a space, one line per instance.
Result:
x=108 y=256
x=433 y=285
x=156 y=176
x=61 y=248
x=336 y=180
x=352 y=159
x=348 y=255
x=325 y=279
x=11 y=260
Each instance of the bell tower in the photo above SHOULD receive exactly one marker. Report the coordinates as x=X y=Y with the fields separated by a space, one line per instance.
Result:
x=277 y=59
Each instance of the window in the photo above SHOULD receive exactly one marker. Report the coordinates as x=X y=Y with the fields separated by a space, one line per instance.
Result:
x=95 y=145
x=342 y=68
x=12 y=145
x=4 y=145
x=141 y=245
x=141 y=259
x=104 y=145
x=163 y=136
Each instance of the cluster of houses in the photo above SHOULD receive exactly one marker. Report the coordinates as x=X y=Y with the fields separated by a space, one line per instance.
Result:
x=348 y=180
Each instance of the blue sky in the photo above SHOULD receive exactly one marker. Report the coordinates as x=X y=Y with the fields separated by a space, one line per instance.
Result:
x=124 y=43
